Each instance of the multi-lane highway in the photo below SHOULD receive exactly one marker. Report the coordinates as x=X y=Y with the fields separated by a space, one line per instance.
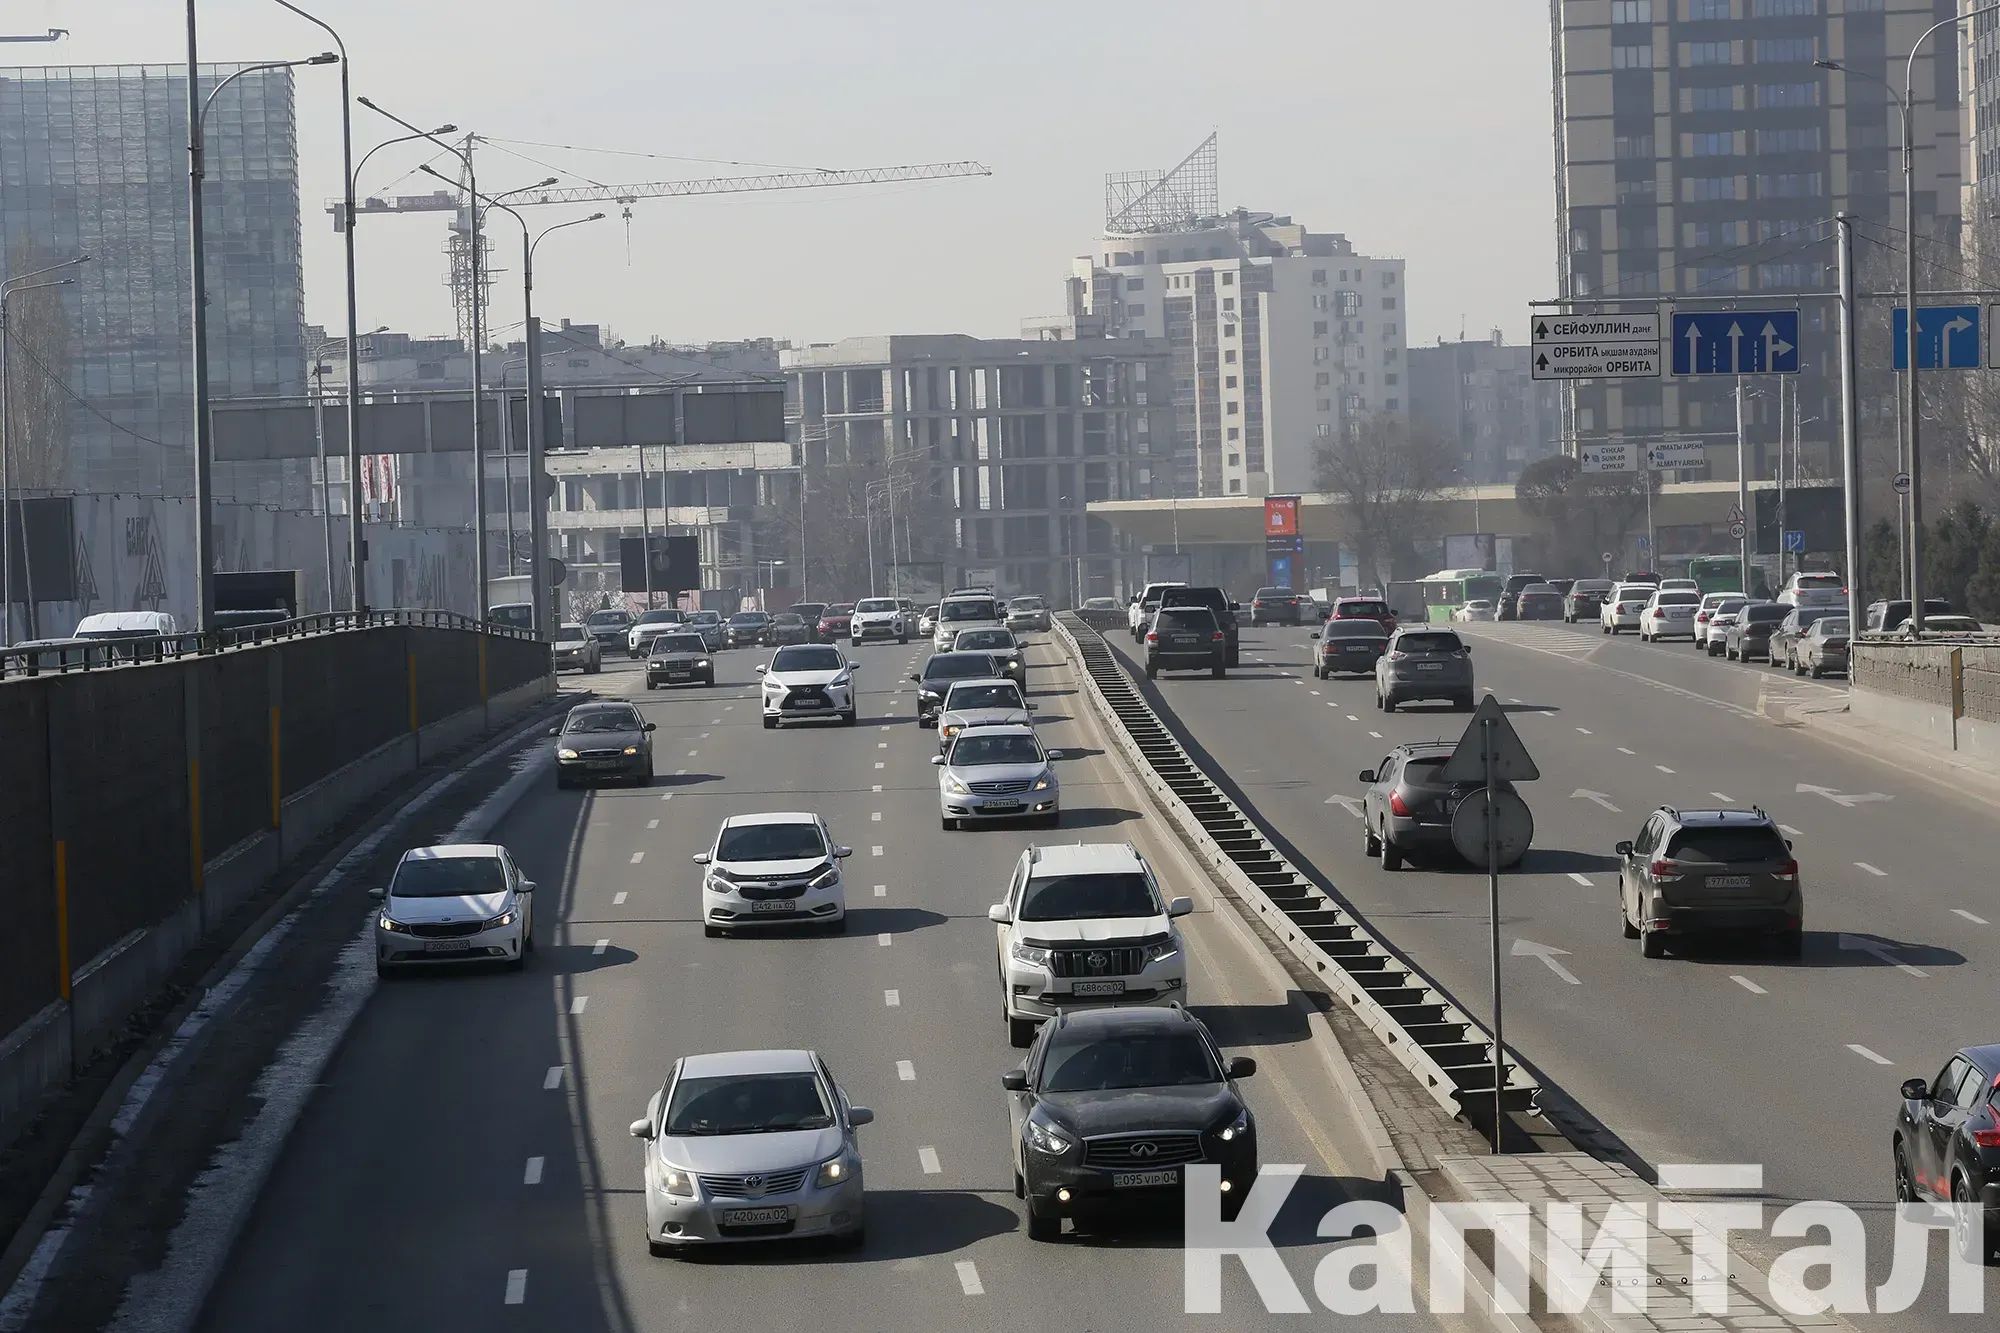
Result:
x=1713 y=1057
x=466 y=1163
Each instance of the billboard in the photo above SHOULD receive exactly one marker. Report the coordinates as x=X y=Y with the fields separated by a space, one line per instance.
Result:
x=676 y=563
x=1284 y=547
x=1469 y=550
x=1817 y=511
x=1281 y=516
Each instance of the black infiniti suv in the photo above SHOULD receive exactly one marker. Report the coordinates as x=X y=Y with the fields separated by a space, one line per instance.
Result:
x=1112 y=1104
x=1947 y=1146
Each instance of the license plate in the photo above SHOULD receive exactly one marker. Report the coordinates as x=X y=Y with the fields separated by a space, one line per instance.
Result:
x=1139 y=1179
x=755 y=1217
x=604 y=763
x=679 y=675
x=808 y=703
x=1001 y=807
x=1098 y=988
x=1430 y=666
x=446 y=946
x=1728 y=881
x=770 y=905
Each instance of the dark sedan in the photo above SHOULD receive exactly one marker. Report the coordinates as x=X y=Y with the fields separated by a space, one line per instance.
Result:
x=940 y=670
x=787 y=627
x=1112 y=1105
x=746 y=629
x=708 y=624
x=1278 y=606
x=810 y=612
x=600 y=741
x=608 y=627
x=1750 y=635
x=1946 y=1147
x=1348 y=647
x=1539 y=602
x=1585 y=599
x=1365 y=608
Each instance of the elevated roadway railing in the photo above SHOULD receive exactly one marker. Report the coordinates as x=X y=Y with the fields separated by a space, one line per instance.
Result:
x=151 y=786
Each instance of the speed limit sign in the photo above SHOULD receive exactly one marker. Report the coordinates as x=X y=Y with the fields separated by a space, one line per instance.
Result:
x=1736 y=530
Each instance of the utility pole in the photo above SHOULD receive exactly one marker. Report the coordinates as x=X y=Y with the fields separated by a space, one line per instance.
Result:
x=1850 y=448
x=645 y=528
x=204 y=480
x=1742 y=492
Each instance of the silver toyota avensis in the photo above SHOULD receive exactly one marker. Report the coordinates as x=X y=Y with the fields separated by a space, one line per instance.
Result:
x=751 y=1145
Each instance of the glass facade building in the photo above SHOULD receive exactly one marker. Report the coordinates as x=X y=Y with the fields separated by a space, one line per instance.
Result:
x=93 y=160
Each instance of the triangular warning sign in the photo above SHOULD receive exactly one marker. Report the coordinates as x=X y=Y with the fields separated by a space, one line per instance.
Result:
x=86 y=579
x=1490 y=728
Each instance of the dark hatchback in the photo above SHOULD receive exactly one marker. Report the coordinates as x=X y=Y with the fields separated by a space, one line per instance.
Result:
x=1348 y=647
x=1946 y=1146
x=1750 y=636
x=1365 y=608
x=810 y=612
x=1785 y=638
x=745 y=629
x=1185 y=638
x=940 y=670
x=1112 y=1105
x=603 y=741
x=1408 y=806
x=1721 y=873
x=1510 y=593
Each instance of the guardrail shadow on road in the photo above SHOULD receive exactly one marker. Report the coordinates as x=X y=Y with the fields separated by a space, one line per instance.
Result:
x=1281 y=1024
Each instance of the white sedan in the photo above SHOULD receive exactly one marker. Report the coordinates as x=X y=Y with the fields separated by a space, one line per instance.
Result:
x=1477 y=609
x=772 y=870
x=456 y=903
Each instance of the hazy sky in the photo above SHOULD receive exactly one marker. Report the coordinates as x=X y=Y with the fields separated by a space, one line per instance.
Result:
x=1420 y=130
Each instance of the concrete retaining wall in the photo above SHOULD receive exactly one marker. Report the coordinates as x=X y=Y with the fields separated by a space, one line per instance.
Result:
x=1945 y=693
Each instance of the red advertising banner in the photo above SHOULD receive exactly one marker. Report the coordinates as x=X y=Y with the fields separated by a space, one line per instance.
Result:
x=1281 y=516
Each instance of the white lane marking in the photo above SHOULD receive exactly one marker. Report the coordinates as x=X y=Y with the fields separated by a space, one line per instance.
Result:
x=880 y=764
x=600 y=947
x=1664 y=769
x=727 y=708
x=577 y=1003
x=553 y=1079
x=1866 y=1054
x=928 y=1158
x=1748 y=985
x=1376 y=734
x=652 y=823
x=533 y=1175
x=881 y=745
x=713 y=722
x=1975 y=920
x=618 y=900
x=1623 y=750
x=1350 y=716
x=906 y=1071
x=968 y=1278
x=666 y=796
x=1789 y=831
x=1585 y=731
x=1722 y=796
x=874 y=851
x=876 y=787
x=637 y=857
x=881 y=890
x=1580 y=878
x=679 y=773
x=1315 y=692
x=1513 y=701
x=884 y=938
x=693 y=753
x=517 y=1285
x=874 y=816
x=704 y=735
x=892 y=998
x=1873 y=870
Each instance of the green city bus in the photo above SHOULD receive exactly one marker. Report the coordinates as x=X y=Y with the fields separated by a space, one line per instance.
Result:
x=1716 y=573
x=1449 y=589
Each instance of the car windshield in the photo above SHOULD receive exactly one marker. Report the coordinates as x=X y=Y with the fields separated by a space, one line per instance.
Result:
x=1678 y=599
x=748 y=618
x=1830 y=627
x=787 y=618
x=448 y=877
x=1362 y=609
x=1808 y=614
x=1363 y=629
x=659 y=618
x=1725 y=846
x=609 y=618
x=974 y=608
x=1757 y=615
x=808 y=657
x=746 y=1104
x=769 y=842
x=976 y=749
x=570 y=634
x=679 y=643
x=1087 y=897
x=602 y=719
x=983 y=696
x=1429 y=643
x=1130 y=1060
x=958 y=668
x=705 y=618
x=1026 y=604
x=1952 y=624
x=841 y=609
x=874 y=604
x=984 y=638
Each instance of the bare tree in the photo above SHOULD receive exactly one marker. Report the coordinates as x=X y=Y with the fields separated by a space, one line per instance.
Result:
x=1587 y=512
x=1383 y=473
x=38 y=367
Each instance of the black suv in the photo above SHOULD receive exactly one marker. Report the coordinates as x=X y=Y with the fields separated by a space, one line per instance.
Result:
x=1185 y=638
x=1947 y=1146
x=1726 y=872
x=1217 y=601
x=1111 y=1105
x=1511 y=590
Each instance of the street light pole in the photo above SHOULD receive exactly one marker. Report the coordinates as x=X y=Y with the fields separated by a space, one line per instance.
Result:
x=1850 y=409
x=7 y=501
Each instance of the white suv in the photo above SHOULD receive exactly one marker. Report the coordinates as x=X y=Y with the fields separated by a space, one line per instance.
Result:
x=1084 y=926
x=966 y=611
x=1669 y=614
x=1818 y=588
x=1622 y=606
x=1140 y=613
x=877 y=618
x=772 y=870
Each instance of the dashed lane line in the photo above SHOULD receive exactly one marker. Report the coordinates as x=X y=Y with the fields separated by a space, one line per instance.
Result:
x=652 y=823
x=892 y=998
x=874 y=816
x=618 y=899
x=1975 y=920
x=928 y=1159
x=906 y=1071
x=598 y=948
x=1748 y=985
x=1376 y=734
x=881 y=890
x=1876 y=871
x=553 y=1079
x=874 y=851
x=533 y=1174
x=1723 y=797
x=577 y=1003
x=1866 y=1054
x=1789 y=831
x=1585 y=731
x=883 y=939
x=517 y=1286
x=968 y=1278
x=1664 y=769
x=637 y=857
x=1580 y=878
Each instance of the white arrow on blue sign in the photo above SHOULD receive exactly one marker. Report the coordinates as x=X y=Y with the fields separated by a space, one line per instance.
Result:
x=1795 y=540
x=1736 y=342
x=1947 y=337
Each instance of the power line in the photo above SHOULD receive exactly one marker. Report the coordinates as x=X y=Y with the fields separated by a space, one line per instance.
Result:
x=658 y=157
x=77 y=398
x=545 y=166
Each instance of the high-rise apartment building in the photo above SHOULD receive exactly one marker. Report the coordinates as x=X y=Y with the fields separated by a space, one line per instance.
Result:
x=1479 y=397
x=93 y=160
x=1701 y=151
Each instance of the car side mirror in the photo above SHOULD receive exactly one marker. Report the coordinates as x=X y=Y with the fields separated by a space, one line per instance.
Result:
x=842 y=853
x=914 y=676
x=652 y=726
x=378 y=894
x=1240 y=1066
x=857 y=1116
x=527 y=886
x=1367 y=775
x=1313 y=635
x=1916 y=1090
x=937 y=760
x=641 y=1129
x=555 y=731
x=1055 y=755
x=1180 y=906
x=999 y=915
x=1788 y=844
x=760 y=670
x=700 y=858
x=1624 y=848
x=1015 y=1080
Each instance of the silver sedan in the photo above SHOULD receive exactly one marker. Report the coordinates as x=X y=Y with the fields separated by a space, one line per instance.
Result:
x=997 y=772
x=751 y=1145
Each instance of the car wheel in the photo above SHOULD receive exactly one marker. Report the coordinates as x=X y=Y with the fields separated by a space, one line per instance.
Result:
x=770 y=723
x=1968 y=1221
x=1020 y=1032
x=1814 y=671
x=1043 y=1226
x=1392 y=855
x=1906 y=1185
x=1388 y=703
x=1625 y=926
x=650 y=685
x=1235 y=657
x=1653 y=945
x=905 y=639
x=849 y=718
x=1370 y=844
x=1020 y=1186
x=1729 y=654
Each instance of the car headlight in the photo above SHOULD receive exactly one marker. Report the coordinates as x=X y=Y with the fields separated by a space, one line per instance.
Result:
x=676 y=1181
x=825 y=877
x=1034 y=955
x=1045 y=781
x=1013 y=664
x=565 y=754
x=721 y=876
x=927 y=696
x=770 y=685
x=1164 y=949
x=1236 y=1128
x=832 y=1172
x=954 y=785
x=631 y=749
x=952 y=729
x=390 y=923
x=1046 y=1138
x=494 y=923
x=656 y=662
x=702 y=663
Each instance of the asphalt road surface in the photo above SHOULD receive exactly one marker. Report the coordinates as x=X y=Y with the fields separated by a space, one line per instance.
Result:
x=466 y=1164
x=1714 y=1056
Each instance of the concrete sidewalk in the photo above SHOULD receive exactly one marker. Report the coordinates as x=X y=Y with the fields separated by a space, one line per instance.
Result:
x=1833 y=721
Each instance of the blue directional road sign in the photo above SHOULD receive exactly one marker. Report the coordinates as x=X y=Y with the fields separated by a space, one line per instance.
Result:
x=1947 y=337
x=1795 y=540
x=1736 y=342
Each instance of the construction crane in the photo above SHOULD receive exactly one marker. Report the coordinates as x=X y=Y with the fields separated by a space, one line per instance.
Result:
x=458 y=248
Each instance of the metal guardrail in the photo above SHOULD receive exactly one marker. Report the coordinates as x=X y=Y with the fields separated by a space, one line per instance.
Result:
x=1449 y=1052
x=68 y=656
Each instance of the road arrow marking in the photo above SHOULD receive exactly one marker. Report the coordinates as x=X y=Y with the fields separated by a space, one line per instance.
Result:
x=1879 y=952
x=1347 y=803
x=1582 y=795
x=1848 y=800
x=1548 y=953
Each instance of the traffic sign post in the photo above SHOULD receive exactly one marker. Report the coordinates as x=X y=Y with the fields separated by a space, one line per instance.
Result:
x=1736 y=342
x=1795 y=541
x=1675 y=454
x=1617 y=347
x=1606 y=457
x=1947 y=337
x=1490 y=753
